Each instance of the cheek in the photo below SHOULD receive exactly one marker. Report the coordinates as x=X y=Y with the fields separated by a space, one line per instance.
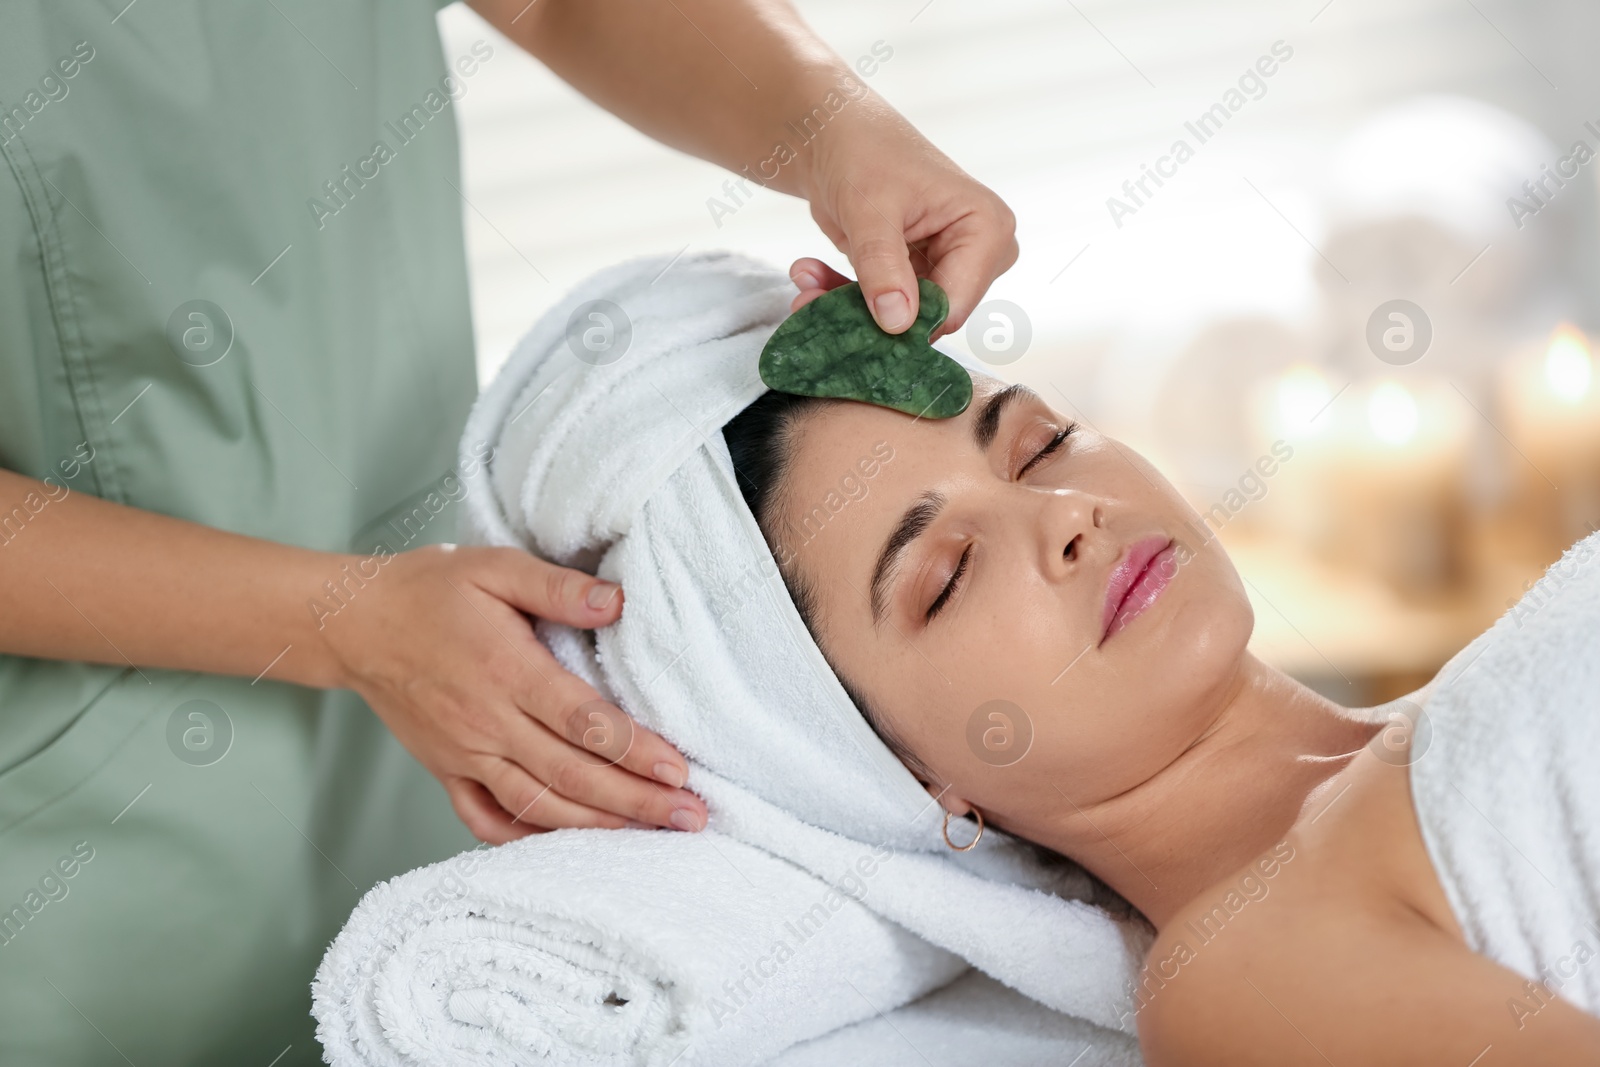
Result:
x=1012 y=641
x=955 y=706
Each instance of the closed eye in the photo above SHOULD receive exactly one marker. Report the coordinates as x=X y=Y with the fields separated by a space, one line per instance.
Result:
x=950 y=587
x=1051 y=447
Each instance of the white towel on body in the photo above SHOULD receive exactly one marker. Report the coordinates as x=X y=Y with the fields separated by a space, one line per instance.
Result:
x=621 y=469
x=1506 y=791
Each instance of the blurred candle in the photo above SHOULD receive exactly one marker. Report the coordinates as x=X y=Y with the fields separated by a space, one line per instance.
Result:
x=1392 y=414
x=1302 y=396
x=1551 y=402
x=1292 y=414
x=1379 y=466
x=1567 y=369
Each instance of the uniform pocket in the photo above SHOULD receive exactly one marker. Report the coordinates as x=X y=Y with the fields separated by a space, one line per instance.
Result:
x=108 y=716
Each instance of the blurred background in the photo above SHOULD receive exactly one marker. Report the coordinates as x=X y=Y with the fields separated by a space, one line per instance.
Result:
x=1350 y=317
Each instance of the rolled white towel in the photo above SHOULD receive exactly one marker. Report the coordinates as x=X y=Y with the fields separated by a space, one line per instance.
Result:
x=611 y=948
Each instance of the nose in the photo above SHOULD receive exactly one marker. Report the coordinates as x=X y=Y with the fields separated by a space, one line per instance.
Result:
x=1070 y=522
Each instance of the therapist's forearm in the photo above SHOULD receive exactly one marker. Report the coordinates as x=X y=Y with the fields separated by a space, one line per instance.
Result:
x=85 y=579
x=715 y=78
x=441 y=647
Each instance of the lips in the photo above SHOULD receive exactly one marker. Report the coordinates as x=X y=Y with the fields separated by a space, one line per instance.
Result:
x=1136 y=582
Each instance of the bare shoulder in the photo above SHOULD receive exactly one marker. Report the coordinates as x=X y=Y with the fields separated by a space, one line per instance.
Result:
x=1337 y=945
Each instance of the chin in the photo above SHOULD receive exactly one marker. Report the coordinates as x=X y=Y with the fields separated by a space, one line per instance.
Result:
x=1192 y=653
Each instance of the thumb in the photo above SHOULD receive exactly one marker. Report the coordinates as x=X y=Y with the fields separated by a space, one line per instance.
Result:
x=882 y=262
x=560 y=594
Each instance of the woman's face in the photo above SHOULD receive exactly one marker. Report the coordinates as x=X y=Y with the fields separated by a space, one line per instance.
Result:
x=1028 y=606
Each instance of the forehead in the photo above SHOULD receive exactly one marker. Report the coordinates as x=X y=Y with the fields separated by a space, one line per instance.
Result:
x=837 y=427
x=854 y=467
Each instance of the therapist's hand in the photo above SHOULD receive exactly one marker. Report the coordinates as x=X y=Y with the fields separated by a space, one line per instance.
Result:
x=900 y=210
x=439 y=643
x=725 y=79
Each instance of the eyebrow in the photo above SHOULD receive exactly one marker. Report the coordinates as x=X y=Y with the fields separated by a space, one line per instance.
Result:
x=917 y=518
x=987 y=424
x=920 y=515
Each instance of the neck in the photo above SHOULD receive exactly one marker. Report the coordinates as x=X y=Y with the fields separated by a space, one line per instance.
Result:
x=1230 y=796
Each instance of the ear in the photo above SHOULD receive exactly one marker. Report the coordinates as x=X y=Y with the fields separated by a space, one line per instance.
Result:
x=949 y=799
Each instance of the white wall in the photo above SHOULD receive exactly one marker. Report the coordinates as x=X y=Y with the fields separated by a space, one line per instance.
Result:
x=1052 y=104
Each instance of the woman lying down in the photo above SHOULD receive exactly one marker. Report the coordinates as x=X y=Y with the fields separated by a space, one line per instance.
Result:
x=835 y=610
x=1327 y=888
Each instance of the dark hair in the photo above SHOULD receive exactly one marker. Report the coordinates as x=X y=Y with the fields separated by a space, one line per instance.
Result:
x=761 y=441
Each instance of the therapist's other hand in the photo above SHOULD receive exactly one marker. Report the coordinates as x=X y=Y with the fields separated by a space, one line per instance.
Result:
x=439 y=643
x=900 y=210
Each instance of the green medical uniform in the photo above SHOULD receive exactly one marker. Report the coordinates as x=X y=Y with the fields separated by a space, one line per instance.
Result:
x=232 y=290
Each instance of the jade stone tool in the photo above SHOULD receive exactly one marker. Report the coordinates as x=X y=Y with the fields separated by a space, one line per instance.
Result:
x=833 y=348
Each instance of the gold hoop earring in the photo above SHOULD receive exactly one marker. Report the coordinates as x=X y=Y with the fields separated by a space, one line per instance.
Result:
x=970 y=845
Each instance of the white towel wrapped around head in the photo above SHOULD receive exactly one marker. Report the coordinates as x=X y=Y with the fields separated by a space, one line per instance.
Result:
x=627 y=459
x=618 y=464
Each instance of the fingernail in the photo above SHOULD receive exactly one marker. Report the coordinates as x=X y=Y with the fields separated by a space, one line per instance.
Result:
x=668 y=774
x=893 y=310
x=804 y=279
x=682 y=819
x=601 y=594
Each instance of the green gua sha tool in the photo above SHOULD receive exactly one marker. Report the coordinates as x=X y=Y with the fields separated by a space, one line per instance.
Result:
x=833 y=348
